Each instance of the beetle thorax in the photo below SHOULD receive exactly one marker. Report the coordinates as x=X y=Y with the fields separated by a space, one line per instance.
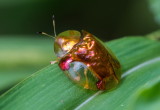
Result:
x=64 y=43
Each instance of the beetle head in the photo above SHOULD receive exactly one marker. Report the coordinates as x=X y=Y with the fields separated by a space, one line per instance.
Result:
x=65 y=41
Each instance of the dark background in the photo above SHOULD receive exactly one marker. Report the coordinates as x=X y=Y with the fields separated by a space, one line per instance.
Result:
x=107 y=19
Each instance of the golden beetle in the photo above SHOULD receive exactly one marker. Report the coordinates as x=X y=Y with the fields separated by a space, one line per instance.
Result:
x=86 y=61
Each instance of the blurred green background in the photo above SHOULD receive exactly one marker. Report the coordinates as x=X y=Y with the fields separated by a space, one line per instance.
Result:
x=106 y=18
x=23 y=52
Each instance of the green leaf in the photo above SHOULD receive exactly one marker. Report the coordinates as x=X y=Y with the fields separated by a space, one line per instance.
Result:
x=21 y=56
x=147 y=97
x=50 y=89
x=154 y=35
x=155 y=8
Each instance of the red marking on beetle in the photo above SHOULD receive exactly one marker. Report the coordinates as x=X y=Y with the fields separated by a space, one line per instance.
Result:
x=82 y=50
x=91 y=53
x=64 y=63
x=100 y=85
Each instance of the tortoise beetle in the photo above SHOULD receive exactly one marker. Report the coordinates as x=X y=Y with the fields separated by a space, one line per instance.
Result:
x=85 y=60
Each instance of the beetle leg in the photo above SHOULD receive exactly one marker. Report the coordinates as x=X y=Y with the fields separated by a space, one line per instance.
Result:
x=53 y=62
x=86 y=86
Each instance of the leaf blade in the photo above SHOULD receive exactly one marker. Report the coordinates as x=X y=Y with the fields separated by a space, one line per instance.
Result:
x=54 y=90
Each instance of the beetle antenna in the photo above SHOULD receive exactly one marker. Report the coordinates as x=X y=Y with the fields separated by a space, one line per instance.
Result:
x=43 y=33
x=54 y=27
